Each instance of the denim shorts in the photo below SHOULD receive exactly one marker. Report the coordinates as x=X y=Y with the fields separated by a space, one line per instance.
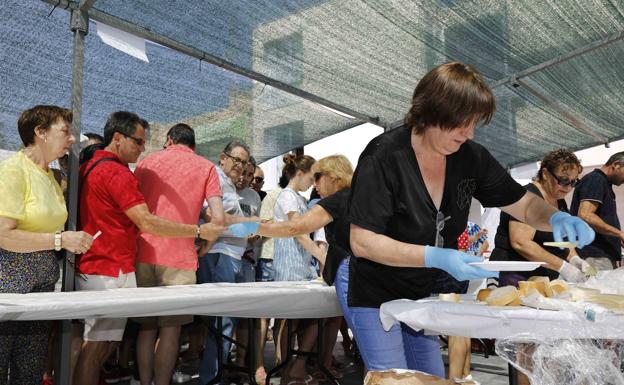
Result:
x=264 y=270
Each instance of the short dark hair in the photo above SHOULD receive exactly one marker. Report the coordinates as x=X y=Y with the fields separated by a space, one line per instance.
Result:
x=95 y=137
x=618 y=157
x=40 y=116
x=450 y=96
x=87 y=153
x=182 y=134
x=122 y=121
x=558 y=158
x=252 y=161
x=236 y=143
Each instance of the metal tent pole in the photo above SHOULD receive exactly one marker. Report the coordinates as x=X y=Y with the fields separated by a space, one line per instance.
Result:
x=565 y=114
x=79 y=24
x=561 y=59
x=145 y=33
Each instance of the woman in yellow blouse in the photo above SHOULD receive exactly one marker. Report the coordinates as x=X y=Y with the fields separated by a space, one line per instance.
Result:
x=32 y=217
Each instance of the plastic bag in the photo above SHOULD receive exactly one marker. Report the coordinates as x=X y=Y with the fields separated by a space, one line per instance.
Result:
x=564 y=361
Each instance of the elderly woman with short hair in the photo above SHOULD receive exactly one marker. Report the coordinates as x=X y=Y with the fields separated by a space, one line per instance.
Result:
x=32 y=218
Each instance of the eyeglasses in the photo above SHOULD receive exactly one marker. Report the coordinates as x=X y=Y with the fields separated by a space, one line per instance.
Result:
x=317 y=176
x=258 y=179
x=564 y=181
x=237 y=160
x=440 y=219
x=138 y=141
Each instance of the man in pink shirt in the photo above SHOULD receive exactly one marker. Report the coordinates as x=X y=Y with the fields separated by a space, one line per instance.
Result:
x=175 y=183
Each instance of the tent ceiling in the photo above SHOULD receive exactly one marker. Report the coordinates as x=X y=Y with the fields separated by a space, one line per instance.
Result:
x=364 y=55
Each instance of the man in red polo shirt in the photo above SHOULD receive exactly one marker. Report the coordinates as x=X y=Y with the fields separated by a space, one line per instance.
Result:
x=175 y=183
x=111 y=203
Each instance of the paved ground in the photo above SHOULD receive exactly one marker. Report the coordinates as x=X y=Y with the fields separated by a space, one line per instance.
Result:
x=488 y=371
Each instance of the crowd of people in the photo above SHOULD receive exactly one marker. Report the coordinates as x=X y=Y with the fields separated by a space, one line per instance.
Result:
x=396 y=227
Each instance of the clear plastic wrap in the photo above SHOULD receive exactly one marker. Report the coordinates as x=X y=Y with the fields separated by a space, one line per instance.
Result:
x=607 y=281
x=564 y=361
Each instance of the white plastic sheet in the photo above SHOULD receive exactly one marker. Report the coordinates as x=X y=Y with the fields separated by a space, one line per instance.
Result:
x=293 y=300
x=481 y=321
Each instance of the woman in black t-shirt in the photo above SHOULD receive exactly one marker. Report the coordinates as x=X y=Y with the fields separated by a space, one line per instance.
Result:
x=332 y=180
x=516 y=241
x=409 y=202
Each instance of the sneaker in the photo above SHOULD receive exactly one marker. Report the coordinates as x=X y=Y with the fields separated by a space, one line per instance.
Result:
x=180 y=377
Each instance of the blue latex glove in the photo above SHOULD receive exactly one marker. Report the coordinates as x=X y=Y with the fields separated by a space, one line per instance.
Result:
x=455 y=263
x=574 y=228
x=244 y=229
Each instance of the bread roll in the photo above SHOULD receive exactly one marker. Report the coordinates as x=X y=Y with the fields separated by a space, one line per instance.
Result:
x=558 y=286
x=539 y=278
x=577 y=294
x=526 y=286
x=609 y=301
x=547 y=291
x=450 y=297
x=403 y=377
x=503 y=296
x=483 y=294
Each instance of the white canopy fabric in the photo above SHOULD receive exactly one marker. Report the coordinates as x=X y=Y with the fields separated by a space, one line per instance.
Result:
x=293 y=300
x=470 y=319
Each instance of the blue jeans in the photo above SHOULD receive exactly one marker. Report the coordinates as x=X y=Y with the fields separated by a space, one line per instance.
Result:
x=341 y=283
x=400 y=348
x=264 y=270
x=216 y=267
x=247 y=272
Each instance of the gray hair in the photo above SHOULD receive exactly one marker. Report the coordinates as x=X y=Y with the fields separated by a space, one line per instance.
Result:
x=236 y=143
x=618 y=157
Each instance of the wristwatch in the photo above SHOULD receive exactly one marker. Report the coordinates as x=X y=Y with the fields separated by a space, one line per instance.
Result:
x=198 y=232
x=57 y=241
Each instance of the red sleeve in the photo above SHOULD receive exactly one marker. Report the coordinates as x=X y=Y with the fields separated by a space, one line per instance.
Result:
x=125 y=191
x=213 y=185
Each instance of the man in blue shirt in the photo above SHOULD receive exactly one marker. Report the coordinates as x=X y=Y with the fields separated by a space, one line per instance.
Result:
x=594 y=202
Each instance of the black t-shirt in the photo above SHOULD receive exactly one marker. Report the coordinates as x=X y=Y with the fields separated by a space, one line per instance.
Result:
x=596 y=187
x=336 y=232
x=503 y=251
x=389 y=196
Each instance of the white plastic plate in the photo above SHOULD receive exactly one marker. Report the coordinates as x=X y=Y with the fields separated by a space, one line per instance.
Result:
x=507 y=265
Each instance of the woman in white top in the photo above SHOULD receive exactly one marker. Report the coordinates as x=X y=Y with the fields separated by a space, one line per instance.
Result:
x=292 y=256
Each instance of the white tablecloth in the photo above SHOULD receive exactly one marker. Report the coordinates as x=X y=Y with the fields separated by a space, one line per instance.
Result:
x=294 y=300
x=481 y=321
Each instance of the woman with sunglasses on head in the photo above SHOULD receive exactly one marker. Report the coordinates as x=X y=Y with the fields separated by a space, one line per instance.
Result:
x=411 y=194
x=517 y=241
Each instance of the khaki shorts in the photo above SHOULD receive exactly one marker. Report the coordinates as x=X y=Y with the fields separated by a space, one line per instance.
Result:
x=105 y=329
x=149 y=275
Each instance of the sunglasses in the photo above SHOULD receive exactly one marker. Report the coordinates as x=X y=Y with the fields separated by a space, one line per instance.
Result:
x=237 y=160
x=564 y=181
x=138 y=141
x=258 y=179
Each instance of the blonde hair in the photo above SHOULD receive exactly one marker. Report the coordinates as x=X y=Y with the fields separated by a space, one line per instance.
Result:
x=336 y=166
